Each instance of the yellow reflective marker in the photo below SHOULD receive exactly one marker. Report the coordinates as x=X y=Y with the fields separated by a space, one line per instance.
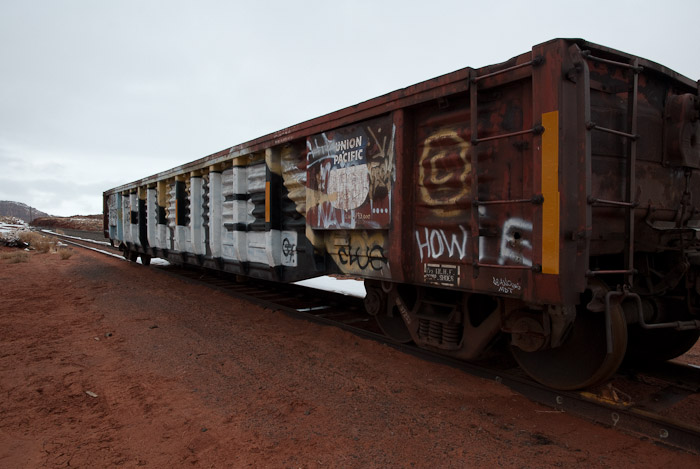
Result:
x=550 y=192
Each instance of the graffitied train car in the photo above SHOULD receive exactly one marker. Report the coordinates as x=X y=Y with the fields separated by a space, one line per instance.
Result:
x=549 y=199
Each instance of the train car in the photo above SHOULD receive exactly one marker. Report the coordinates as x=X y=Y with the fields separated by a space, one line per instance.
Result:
x=550 y=200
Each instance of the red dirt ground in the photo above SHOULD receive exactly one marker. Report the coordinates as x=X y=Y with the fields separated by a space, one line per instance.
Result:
x=184 y=375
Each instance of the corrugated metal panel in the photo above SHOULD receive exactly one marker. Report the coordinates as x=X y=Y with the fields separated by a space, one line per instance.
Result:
x=294 y=177
x=171 y=216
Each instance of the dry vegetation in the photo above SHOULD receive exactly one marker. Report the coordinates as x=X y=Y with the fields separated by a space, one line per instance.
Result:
x=14 y=257
x=35 y=242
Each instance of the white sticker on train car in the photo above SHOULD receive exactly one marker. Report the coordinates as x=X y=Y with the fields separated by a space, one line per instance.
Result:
x=441 y=274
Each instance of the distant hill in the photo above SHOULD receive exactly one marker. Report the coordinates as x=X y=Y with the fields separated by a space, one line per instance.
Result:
x=9 y=208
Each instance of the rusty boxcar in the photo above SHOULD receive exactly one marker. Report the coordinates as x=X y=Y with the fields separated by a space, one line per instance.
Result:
x=550 y=199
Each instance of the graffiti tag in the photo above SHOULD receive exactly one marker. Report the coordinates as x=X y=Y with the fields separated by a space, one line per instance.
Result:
x=514 y=244
x=444 y=171
x=436 y=243
x=363 y=257
x=505 y=285
x=289 y=248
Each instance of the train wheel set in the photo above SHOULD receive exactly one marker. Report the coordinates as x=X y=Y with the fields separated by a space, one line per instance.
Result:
x=546 y=204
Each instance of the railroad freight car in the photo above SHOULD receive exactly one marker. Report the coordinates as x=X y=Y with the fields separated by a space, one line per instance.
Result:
x=549 y=201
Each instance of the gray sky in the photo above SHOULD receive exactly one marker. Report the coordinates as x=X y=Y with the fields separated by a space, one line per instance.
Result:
x=95 y=94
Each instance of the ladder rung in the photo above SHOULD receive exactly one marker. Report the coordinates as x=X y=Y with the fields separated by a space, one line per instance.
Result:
x=635 y=68
x=594 y=273
x=535 y=199
x=536 y=61
x=535 y=267
x=614 y=203
x=594 y=126
x=536 y=130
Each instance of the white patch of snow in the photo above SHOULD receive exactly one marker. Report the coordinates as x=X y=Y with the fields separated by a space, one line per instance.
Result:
x=347 y=287
x=10 y=227
x=156 y=261
x=9 y=232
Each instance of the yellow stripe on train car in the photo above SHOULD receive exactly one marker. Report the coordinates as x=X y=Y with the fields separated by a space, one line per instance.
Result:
x=550 y=192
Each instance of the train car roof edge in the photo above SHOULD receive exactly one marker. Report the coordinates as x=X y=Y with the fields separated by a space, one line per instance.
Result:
x=373 y=107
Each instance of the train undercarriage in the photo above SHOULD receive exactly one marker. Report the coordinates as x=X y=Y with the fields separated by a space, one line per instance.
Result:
x=563 y=347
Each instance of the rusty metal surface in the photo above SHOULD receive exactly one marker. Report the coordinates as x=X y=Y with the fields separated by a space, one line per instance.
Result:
x=504 y=189
x=470 y=206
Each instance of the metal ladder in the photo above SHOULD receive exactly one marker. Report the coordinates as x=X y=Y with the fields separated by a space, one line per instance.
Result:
x=629 y=203
x=536 y=199
x=621 y=293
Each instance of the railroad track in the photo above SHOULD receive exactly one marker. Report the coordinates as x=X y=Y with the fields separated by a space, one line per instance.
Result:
x=636 y=401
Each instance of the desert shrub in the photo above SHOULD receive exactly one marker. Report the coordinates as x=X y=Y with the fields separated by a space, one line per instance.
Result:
x=45 y=245
x=65 y=253
x=30 y=237
x=37 y=241
x=14 y=257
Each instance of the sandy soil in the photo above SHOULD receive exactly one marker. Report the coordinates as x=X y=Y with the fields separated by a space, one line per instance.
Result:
x=107 y=363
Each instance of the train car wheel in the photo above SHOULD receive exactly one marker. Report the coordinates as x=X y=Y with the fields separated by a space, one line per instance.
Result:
x=381 y=302
x=145 y=259
x=394 y=327
x=654 y=346
x=392 y=324
x=133 y=256
x=582 y=360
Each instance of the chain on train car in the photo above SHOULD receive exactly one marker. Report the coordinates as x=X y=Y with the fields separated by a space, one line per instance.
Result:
x=550 y=200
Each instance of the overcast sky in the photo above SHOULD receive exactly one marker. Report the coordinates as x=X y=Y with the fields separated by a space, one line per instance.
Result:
x=95 y=94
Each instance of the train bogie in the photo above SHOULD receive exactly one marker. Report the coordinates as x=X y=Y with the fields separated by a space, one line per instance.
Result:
x=549 y=198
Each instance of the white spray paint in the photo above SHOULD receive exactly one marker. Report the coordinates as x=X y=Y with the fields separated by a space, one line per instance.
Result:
x=436 y=243
x=512 y=236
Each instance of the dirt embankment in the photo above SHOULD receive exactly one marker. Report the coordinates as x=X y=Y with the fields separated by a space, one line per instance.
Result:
x=106 y=363
x=77 y=222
